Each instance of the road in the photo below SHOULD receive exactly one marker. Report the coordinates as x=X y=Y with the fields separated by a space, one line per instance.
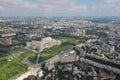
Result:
x=33 y=68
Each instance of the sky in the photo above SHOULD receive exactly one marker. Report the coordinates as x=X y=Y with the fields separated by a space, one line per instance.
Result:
x=59 y=7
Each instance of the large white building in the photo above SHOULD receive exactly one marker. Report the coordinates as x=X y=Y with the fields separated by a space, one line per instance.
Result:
x=67 y=56
x=44 y=43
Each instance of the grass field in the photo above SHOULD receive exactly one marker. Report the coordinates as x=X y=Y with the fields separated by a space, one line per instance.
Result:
x=28 y=54
x=72 y=40
x=67 y=43
x=55 y=50
x=48 y=53
x=19 y=50
x=10 y=67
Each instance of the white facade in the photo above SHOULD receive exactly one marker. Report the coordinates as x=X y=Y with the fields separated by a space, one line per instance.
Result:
x=44 y=43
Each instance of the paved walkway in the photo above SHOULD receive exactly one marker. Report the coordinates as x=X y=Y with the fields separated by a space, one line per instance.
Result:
x=33 y=71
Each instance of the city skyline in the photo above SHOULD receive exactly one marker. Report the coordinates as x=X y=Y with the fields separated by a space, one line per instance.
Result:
x=59 y=8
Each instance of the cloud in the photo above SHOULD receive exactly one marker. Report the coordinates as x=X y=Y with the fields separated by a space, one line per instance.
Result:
x=59 y=7
x=111 y=1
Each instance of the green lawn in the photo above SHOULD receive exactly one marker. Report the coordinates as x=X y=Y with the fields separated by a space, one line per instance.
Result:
x=73 y=40
x=10 y=67
x=48 y=53
x=19 y=50
x=28 y=54
x=55 y=50
x=67 y=43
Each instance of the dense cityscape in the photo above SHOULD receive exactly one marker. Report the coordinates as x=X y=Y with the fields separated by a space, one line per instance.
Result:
x=60 y=48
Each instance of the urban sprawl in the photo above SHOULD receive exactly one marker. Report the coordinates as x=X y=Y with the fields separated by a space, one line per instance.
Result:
x=59 y=48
